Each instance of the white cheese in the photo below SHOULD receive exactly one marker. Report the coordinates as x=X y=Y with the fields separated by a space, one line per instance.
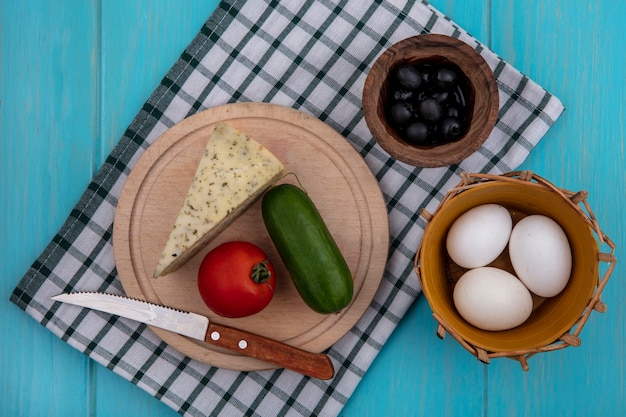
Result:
x=233 y=171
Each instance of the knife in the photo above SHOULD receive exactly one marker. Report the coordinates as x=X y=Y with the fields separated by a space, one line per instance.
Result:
x=196 y=326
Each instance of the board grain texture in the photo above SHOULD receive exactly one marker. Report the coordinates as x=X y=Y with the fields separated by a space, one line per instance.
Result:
x=74 y=73
x=317 y=159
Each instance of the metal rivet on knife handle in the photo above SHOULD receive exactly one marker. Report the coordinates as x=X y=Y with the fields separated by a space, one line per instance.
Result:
x=317 y=365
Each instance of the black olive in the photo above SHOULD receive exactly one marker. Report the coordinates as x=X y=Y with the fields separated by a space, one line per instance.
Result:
x=417 y=133
x=400 y=113
x=408 y=78
x=425 y=71
x=431 y=110
x=451 y=129
x=426 y=103
x=446 y=77
x=453 y=111
x=459 y=96
x=442 y=96
x=402 y=95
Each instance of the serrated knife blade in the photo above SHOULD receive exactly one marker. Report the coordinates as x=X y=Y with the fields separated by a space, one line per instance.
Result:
x=177 y=321
x=196 y=326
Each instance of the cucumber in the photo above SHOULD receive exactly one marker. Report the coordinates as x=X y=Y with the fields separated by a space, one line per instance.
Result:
x=318 y=269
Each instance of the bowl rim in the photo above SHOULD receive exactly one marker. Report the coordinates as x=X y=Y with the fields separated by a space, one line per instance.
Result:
x=593 y=289
x=462 y=55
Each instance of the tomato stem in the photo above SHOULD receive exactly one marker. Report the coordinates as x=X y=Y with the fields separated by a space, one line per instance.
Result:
x=260 y=272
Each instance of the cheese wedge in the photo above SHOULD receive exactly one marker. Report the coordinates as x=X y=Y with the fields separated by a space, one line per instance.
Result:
x=234 y=170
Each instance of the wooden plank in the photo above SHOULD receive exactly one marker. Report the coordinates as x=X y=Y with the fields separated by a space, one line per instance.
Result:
x=48 y=119
x=474 y=16
x=574 y=50
x=417 y=374
x=141 y=41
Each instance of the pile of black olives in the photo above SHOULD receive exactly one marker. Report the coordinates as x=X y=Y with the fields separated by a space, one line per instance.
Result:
x=426 y=103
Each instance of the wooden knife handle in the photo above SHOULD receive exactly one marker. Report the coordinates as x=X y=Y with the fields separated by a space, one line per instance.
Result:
x=317 y=365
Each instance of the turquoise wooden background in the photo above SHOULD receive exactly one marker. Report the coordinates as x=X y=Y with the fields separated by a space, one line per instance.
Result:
x=74 y=73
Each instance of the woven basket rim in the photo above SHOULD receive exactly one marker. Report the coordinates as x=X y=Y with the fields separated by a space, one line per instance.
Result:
x=575 y=200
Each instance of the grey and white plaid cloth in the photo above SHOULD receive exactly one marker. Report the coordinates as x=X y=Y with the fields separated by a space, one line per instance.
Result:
x=313 y=56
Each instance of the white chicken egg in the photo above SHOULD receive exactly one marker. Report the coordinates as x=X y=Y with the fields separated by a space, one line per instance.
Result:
x=479 y=235
x=492 y=299
x=541 y=255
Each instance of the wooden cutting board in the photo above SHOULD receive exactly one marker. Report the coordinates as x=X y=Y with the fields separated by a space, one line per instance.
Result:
x=327 y=167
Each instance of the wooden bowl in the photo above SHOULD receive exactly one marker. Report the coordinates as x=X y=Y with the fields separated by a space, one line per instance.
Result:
x=556 y=321
x=481 y=94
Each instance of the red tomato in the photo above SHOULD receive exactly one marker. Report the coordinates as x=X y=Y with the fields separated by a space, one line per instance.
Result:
x=236 y=279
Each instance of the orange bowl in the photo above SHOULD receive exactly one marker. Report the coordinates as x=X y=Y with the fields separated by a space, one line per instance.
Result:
x=551 y=317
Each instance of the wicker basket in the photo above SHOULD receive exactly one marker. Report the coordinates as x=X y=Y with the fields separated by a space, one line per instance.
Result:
x=556 y=322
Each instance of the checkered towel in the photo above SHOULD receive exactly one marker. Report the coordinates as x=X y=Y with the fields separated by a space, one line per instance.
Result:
x=312 y=56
